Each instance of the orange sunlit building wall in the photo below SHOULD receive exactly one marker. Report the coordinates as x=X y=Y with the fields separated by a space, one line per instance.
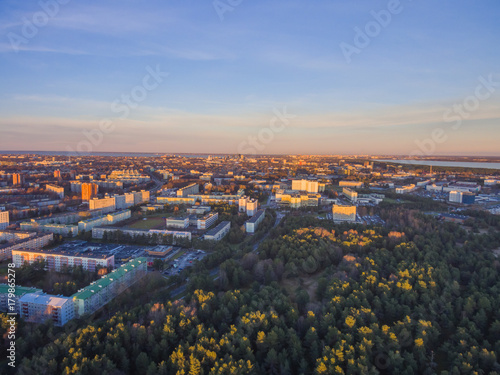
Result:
x=89 y=191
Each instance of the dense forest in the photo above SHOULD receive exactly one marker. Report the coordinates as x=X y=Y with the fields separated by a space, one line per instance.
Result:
x=417 y=296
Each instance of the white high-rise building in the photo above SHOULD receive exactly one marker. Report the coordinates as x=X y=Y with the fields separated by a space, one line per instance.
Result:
x=456 y=196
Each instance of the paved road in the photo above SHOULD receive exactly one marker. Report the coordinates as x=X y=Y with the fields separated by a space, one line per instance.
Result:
x=215 y=271
x=279 y=216
x=158 y=183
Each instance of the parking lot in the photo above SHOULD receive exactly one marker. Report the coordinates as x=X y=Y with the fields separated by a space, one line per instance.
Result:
x=187 y=259
x=373 y=220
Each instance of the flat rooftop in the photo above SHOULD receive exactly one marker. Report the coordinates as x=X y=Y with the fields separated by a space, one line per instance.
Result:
x=256 y=217
x=106 y=280
x=19 y=290
x=45 y=299
x=217 y=229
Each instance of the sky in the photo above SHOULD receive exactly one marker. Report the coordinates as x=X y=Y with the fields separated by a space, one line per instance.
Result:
x=251 y=76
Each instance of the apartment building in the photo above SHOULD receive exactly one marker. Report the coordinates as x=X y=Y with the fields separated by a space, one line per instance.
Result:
x=351 y=184
x=107 y=204
x=248 y=205
x=31 y=243
x=252 y=224
x=350 y=194
x=59 y=190
x=4 y=219
x=309 y=186
x=18 y=292
x=109 y=219
x=177 y=222
x=207 y=221
x=188 y=190
x=219 y=232
x=37 y=308
x=175 y=200
x=99 y=232
x=344 y=213
x=56 y=260
x=99 y=293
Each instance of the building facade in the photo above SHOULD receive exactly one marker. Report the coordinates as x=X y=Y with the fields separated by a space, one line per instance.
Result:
x=207 y=221
x=252 y=224
x=57 y=260
x=99 y=293
x=177 y=222
x=344 y=213
x=106 y=204
x=59 y=190
x=219 y=232
x=4 y=219
x=36 y=242
x=309 y=186
x=37 y=308
x=190 y=189
x=89 y=191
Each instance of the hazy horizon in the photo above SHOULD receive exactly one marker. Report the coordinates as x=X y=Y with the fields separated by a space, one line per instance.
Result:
x=371 y=77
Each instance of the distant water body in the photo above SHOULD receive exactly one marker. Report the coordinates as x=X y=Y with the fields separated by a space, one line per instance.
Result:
x=437 y=163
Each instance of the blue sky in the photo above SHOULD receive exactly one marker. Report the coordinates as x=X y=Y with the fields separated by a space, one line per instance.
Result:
x=229 y=73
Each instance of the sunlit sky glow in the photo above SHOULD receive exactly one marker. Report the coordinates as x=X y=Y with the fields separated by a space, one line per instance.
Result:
x=227 y=77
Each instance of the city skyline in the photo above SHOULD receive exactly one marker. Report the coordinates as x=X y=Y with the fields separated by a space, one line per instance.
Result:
x=293 y=77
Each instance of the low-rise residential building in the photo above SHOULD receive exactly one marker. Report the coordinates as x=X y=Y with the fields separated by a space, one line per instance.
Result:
x=351 y=184
x=207 y=221
x=99 y=293
x=252 y=223
x=100 y=232
x=175 y=200
x=188 y=190
x=16 y=293
x=59 y=190
x=37 y=308
x=344 y=213
x=405 y=189
x=57 y=260
x=177 y=222
x=62 y=229
x=109 y=219
x=35 y=242
x=107 y=204
x=350 y=194
x=296 y=200
x=198 y=210
x=15 y=235
x=219 y=232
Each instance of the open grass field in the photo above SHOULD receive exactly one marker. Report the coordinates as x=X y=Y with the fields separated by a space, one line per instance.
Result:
x=149 y=223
